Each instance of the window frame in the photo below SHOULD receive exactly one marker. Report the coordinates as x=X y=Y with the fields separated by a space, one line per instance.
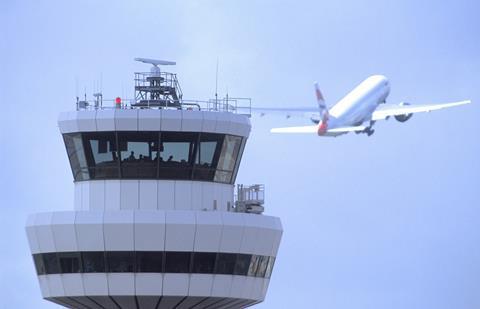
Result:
x=178 y=171
x=149 y=256
x=72 y=256
x=87 y=137
x=86 y=256
x=239 y=264
x=174 y=256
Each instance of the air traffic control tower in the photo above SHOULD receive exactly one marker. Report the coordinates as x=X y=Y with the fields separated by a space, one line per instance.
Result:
x=157 y=220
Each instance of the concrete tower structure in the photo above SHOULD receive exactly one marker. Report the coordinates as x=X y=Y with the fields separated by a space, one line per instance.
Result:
x=156 y=221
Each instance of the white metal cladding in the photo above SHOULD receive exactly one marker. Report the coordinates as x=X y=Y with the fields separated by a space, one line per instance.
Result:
x=151 y=302
x=142 y=230
x=186 y=230
x=152 y=195
x=150 y=284
x=154 y=120
x=121 y=216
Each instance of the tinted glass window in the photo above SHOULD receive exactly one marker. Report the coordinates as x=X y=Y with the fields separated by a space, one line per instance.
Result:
x=39 y=266
x=207 y=156
x=204 y=262
x=262 y=266
x=206 y=153
x=177 y=262
x=76 y=155
x=69 y=262
x=268 y=272
x=149 y=262
x=225 y=263
x=139 y=154
x=252 y=270
x=153 y=155
x=154 y=262
x=93 y=262
x=242 y=264
x=102 y=154
x=228 y=157
x=120 y=261
x=51 y=263
x=177 y=152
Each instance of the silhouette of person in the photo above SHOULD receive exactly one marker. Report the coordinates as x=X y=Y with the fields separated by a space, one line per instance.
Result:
x=132 y=156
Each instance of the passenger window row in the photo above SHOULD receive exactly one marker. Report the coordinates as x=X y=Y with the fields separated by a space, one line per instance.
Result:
x=154 y=262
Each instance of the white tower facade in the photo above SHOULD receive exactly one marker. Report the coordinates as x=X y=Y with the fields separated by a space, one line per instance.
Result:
x=155 y=222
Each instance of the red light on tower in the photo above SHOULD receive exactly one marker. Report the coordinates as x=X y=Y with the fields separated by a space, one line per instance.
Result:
x=118 y=102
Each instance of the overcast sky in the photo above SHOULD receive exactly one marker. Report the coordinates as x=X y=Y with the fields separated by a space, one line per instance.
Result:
x=388 y=221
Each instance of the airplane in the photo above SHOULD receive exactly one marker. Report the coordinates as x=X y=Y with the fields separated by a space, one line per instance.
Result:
x=357 y=111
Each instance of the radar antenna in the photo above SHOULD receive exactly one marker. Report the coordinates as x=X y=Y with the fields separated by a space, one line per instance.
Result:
x=157 y=89
x=155 y=63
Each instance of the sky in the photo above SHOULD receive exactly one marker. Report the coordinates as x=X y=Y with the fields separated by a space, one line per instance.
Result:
x=387 y=221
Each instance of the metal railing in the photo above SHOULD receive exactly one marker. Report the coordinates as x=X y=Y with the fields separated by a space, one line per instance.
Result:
x=235 y=105
x=250 y=199
x=147 y=82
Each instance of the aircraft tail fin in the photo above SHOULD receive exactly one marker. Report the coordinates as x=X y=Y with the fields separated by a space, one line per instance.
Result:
x=321 y=103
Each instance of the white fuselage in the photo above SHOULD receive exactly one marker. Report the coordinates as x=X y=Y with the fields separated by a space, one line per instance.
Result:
x=359 y=104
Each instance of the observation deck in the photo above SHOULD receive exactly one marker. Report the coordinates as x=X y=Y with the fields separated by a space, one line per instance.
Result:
x=155 y=223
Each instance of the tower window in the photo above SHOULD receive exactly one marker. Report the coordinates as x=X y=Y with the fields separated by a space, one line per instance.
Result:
x=177 y=262
x=120 y=261
x=93 y=262
x=204 y=262
x=225 y=263
x=149 y=261
x=51 y=263
x=242 y=264
x=153 y=155
x=69 y=262
x=153 y=262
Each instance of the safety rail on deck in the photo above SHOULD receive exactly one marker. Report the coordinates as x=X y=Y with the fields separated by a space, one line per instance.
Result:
x=235 y=105
x=250 y=199
x=152 y=85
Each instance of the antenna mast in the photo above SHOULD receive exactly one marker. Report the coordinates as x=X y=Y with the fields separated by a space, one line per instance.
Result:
x=216 y=86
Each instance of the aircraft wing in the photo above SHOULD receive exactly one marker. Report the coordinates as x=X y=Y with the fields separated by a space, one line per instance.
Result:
x=302 y=112
x=284 y=110
x=385 y=111
x=314 y=129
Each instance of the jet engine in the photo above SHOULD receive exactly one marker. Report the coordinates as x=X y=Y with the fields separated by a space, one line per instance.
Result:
x=405 y=117
x=315 y=118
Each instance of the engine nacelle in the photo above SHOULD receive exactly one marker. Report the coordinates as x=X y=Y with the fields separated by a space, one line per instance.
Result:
x=405 y=117
x=315 y=118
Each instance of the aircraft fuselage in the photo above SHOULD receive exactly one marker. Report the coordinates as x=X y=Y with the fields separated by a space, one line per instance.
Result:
x=359 y=104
